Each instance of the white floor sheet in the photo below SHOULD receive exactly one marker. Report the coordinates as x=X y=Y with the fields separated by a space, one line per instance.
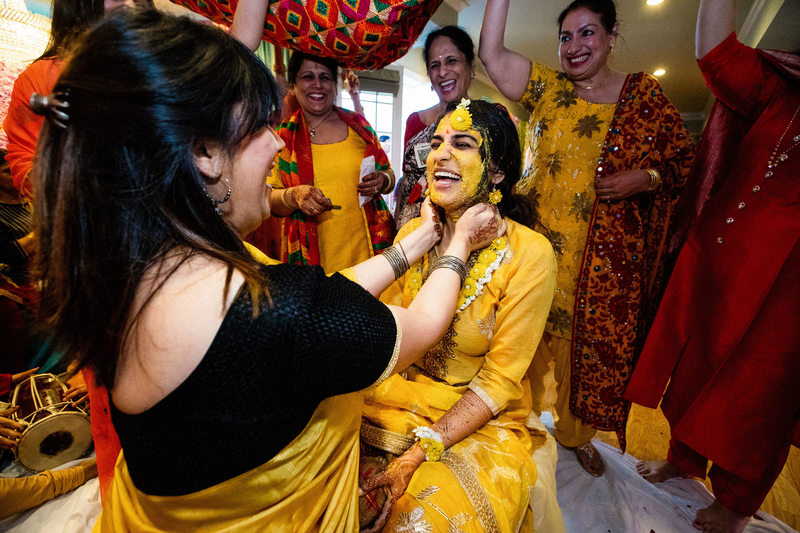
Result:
x=618 y=502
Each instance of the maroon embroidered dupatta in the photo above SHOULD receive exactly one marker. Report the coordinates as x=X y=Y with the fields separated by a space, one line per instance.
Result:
x=620 y=278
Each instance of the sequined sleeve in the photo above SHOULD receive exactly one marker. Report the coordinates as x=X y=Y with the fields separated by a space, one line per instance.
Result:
x=541 y=76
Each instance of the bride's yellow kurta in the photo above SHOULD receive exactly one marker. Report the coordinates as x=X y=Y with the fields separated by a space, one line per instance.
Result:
x=483 y=483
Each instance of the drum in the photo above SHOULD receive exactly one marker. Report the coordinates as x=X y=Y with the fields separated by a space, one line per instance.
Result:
x=54 y=431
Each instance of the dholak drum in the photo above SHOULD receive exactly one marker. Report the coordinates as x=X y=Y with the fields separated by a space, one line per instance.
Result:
x=54 y=431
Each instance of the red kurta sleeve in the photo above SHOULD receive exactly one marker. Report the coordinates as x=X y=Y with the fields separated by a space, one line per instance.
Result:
x=739 y=77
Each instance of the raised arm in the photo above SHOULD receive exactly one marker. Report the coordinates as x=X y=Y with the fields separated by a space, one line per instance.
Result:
x=716 y=19
x=248 y=22
x=507 y=69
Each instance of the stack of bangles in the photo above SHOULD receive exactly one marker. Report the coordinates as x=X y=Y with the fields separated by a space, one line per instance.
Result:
x=430 y=441
x=453 y=263
x=397 y=259
x=655 y=179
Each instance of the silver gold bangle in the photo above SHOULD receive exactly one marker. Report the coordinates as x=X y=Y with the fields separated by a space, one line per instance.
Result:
x=284 y=202
x=389 y=187
x=403 y=252
x=397 y=260
x=453 y=263
x=655 y=179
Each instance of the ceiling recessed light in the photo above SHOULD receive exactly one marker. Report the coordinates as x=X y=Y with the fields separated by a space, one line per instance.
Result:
x=654 y=2
x=659 y=72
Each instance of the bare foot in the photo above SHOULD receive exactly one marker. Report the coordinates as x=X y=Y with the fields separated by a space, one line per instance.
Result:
x=657 y=471
x=716 y=518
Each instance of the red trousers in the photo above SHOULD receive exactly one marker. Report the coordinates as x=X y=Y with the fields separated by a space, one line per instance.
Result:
x=735 y=493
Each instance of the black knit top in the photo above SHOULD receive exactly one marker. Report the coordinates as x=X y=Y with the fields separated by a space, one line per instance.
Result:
x=260 y=381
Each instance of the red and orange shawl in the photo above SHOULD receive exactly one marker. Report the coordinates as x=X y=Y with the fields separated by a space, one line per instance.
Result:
x=297 y=168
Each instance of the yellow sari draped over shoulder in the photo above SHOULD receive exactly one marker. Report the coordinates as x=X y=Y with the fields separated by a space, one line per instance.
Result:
x=311 y=485
x=485 y=481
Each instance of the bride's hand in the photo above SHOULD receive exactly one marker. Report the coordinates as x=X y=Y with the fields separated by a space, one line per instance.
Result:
x=480 y=225
x=430 y=218
x=396 y=478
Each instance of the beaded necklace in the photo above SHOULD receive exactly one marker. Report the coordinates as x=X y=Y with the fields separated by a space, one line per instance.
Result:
x=776 y=157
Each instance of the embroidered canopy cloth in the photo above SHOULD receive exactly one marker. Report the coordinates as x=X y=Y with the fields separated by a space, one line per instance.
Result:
x=365 y=34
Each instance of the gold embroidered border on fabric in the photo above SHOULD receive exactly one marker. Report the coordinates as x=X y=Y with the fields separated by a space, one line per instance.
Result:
x=434 y=362
x=395 y=353
x=385 y=440
x=473 y=489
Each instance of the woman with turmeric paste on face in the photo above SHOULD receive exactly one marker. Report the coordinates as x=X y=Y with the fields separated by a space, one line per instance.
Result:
x=456 y=418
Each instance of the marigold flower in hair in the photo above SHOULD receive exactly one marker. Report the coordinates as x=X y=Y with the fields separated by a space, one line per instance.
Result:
x=460 y=118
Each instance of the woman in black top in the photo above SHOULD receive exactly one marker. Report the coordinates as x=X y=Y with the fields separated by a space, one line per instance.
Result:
x=229 y=379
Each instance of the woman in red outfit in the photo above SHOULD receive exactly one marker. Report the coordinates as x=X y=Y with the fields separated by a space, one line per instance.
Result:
x=70 y=19
x=727 y=335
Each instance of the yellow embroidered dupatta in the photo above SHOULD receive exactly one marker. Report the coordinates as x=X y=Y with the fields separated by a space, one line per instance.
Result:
x=311 y=485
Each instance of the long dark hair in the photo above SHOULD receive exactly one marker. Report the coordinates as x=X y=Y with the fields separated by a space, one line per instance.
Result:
x=117 y=190
x=501 y=148
x=69 y=19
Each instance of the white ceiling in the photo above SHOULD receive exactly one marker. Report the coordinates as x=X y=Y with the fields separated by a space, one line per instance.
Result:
x=652 y=37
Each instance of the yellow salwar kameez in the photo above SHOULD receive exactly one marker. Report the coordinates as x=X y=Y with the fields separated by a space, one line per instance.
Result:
x=560 y=161
x=610 y=254
x=484 y=482
x=561 y=152
x=343 y=234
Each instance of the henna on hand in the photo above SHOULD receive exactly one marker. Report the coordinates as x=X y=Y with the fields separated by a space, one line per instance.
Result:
x=481 y=224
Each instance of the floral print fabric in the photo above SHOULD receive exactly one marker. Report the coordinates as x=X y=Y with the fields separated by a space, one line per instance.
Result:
x=620 y=270
x=564 y=140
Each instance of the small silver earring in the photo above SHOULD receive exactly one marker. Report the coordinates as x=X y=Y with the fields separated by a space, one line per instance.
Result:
x=216 y=203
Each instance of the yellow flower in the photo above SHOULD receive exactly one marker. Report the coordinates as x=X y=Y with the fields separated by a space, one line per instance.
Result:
x=433 y=449
x=469 y=289
x=495 y=196
x=488 y=256
x=415 y=281
x=461 y=120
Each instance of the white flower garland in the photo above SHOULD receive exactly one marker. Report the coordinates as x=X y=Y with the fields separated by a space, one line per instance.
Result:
x=479 y=283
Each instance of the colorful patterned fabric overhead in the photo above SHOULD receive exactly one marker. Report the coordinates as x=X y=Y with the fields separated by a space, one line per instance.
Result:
x=364 y=34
